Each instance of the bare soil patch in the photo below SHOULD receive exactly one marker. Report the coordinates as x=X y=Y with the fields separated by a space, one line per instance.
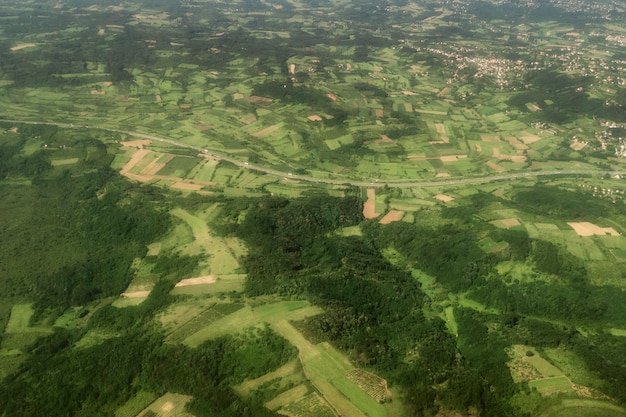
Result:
x=136 y=294
x=136 y=143
x=156 y=165
x=169 y=405
x=154 y=249
x=386 y=139
x=314 y=118
x=134 y=160
x=514 y=142
x=392 y=216
x=207 y=279
x=23 y=46
x=261 y=101
x=441 y=128
x=444 y=198
x=506 y=223
x=577 y=146
x=369 y=208
x=590 y=229
x=442 y=175
x=478 y=148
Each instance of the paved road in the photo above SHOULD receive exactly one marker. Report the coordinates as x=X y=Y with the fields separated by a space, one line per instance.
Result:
x=405 y=183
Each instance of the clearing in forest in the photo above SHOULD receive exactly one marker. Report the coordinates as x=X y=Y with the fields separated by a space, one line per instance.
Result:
x=23 y=46
x=253 y=316
x=222 y=251
x=444 y=198
x=169 y=405
x=527 y=365
x=506 y=223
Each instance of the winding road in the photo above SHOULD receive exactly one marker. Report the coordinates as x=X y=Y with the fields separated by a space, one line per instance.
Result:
x=209 y=153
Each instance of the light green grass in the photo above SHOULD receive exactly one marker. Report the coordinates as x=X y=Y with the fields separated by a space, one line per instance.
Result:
x=247 y=387
x=133 y=406
x=250 y=317
x=327 y=369
x=551 y=386
x=351 y=231
x=451 y=323
x=288 y=397
x=94 y=337
x=618 y=332
x=475 y=305
x=572 y=366
x=61 y=162
x=222 y=251
x=570 y=407
x=20 y=318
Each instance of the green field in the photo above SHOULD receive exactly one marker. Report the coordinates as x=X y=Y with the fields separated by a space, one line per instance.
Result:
x=251 y=317
x=19 y=320
x=583 y=408
x=221 y=252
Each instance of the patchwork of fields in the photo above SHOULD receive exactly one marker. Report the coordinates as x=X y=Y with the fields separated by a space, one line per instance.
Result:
x=484 y=140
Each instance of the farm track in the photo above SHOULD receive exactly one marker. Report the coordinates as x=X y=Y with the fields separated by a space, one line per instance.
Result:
x=208 y=153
